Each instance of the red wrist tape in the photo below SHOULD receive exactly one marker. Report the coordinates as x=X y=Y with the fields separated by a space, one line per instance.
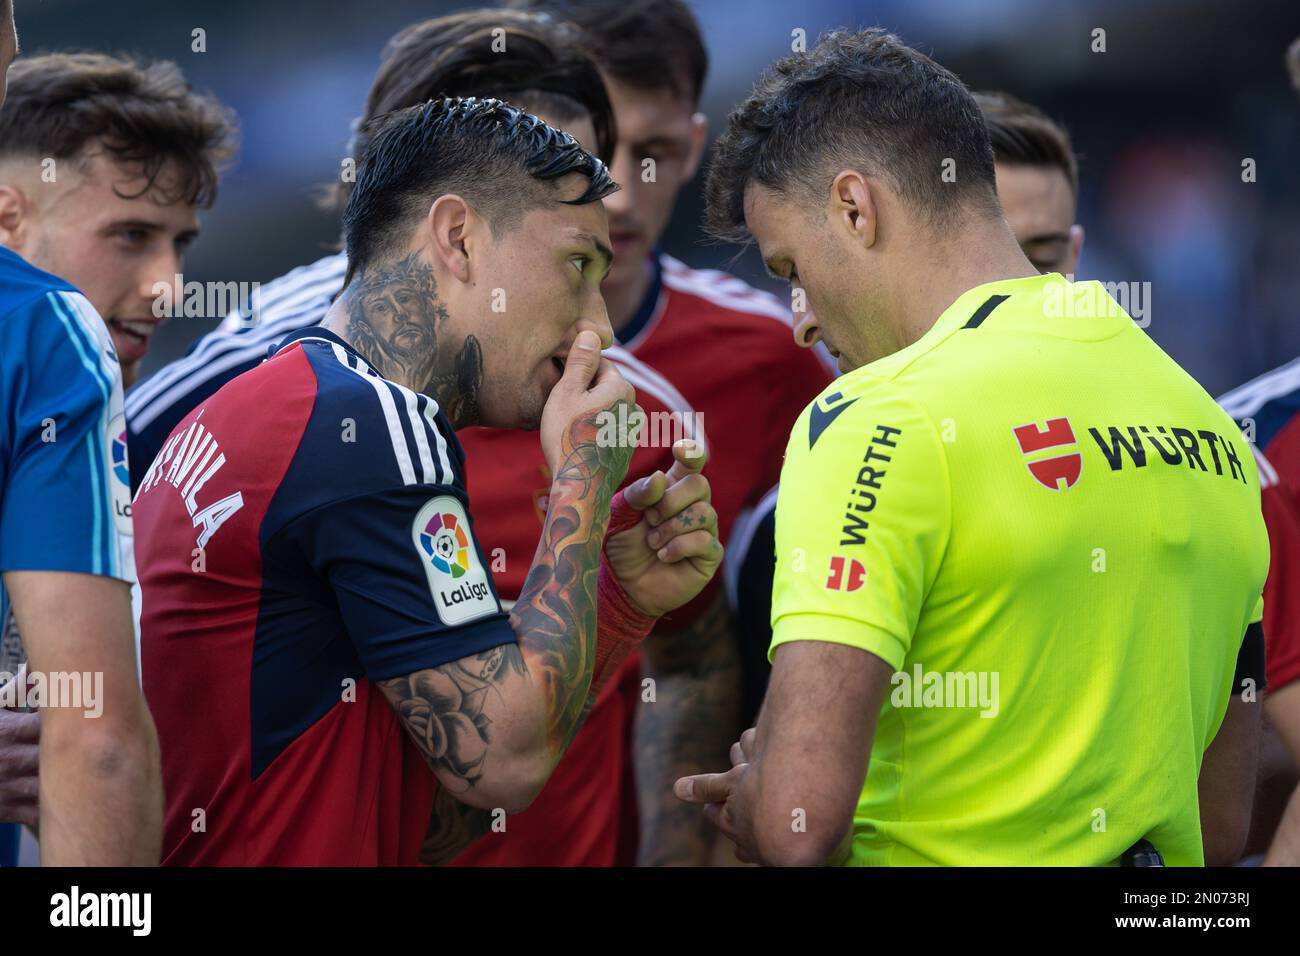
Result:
x=620 y=624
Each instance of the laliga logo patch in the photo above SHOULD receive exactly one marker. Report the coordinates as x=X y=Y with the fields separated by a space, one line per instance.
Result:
x=457 y=581
x=120 y=475
x=1052 y=470
x=444 y=541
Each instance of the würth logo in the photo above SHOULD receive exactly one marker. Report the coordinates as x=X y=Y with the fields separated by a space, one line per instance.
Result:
x=847 y=574
x=1050 y=471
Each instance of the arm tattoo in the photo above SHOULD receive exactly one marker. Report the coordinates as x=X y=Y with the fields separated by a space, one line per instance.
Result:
x=688 y=729
x=555 y=616
x=555 y=619
x=397 y=322
x=443 y=709
x=453 y=826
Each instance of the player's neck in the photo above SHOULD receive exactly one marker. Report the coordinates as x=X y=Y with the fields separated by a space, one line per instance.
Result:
x=419 y=352
x=979 y=252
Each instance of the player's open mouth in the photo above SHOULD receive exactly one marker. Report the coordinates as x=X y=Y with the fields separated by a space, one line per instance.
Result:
x=131 y=337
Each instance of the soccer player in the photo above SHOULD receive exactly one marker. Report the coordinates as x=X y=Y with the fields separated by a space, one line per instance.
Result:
x=331 y=540
x=1268 y=409
x=97 y=795
x=1012 y=501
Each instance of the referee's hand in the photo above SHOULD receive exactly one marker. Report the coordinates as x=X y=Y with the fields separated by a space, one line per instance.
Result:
x=20 y=736
x=668 y=556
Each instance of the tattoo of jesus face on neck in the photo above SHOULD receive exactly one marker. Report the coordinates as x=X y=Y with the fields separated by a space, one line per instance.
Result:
x=397 y=322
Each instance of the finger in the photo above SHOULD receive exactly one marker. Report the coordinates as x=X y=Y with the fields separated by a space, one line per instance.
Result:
x=706 y=787
x=689 y=458
x=644 y=492
x=583 y=362
x=679 y=496
x=20 y=728
x=747 y=740
x=695 y=544
x=737 y=754
x=698 y=517
x=18 y=680
x=21 y=763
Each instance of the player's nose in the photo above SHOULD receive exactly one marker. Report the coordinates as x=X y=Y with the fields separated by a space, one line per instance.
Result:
x=596 y=318
x=807 y=332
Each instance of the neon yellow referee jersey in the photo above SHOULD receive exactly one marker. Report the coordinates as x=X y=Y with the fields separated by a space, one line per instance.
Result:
x=1053 y=535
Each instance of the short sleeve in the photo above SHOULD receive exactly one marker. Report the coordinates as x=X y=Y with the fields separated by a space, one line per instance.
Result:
x=862 y=520
x=408 y=577
x=66 y=503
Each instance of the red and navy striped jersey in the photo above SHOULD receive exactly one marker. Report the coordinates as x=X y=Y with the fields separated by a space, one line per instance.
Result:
x=303 y=534
x=1268 y=410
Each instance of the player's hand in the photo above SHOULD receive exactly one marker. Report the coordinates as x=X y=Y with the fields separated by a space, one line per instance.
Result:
x=20 y=737
x=667 y=557
x=717 y=793
x=590 y=384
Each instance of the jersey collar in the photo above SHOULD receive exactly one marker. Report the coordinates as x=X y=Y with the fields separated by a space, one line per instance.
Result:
x=310 y=332
x=646 y=310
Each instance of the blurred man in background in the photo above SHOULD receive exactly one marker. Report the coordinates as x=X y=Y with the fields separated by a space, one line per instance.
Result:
x=1268 y=409
x=63 y=521
x=726 y=347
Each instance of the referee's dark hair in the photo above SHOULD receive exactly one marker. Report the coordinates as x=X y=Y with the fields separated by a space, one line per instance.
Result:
x=526 y=59
x=499 y=159
x=1023 y=135
x=862 y=99
x=647 y=44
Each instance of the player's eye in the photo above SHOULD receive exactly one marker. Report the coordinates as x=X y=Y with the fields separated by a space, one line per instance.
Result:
x=135 y=237
x=580 y=263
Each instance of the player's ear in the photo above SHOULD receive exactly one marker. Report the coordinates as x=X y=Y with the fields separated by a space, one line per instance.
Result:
x=14 y=213
x=449 y=221
x=699 y=137
x=853 y=206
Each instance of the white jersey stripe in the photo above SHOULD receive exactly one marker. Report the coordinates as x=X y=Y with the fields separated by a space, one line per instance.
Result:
x=1267 y=473
x=428 y=475
x=400 y=450
x=430 y=408
x=752 y=302
x=286 y=304
x=1245 y=400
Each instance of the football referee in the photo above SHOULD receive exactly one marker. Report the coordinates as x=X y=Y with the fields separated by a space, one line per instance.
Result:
x=1017 y=546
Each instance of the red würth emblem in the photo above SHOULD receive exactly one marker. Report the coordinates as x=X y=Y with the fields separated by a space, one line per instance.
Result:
x=1051 y=471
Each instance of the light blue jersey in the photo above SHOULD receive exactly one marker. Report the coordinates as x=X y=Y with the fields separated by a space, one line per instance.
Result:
x=64 y=492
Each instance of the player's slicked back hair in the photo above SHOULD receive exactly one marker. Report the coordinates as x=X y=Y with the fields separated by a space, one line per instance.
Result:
x=526 y=59
x=498 y=158
x=647 y=44
x=861 y=100
x=1023 y=135
x=142 y=114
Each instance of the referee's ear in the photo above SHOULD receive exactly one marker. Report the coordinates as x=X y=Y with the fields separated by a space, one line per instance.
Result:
x=854 y=206
x=15 y=208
